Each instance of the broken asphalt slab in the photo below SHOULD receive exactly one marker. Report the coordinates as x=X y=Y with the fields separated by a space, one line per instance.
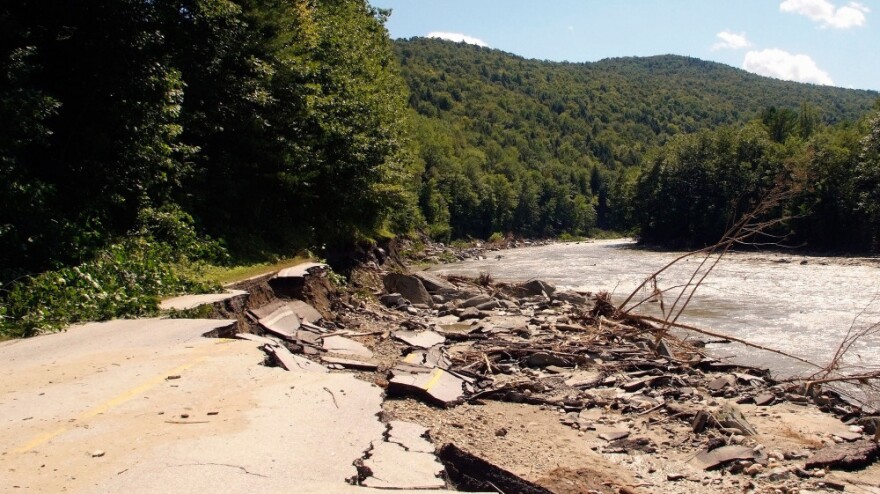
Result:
x=846 y=456
x=186 y=302
x=437 y=386
x=391 y=466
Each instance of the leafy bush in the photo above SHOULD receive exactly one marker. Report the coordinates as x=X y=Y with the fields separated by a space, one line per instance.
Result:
x=126 y=279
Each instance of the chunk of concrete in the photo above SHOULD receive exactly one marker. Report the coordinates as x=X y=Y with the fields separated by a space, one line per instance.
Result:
x=278 y=318
x=393 y=467
x=708 y=460
x=305 y=311
x=419 y=339
x=429 y=359
x=345 y=346
x=410 y=287
x=845 y=456
x=350 y=363
x=291 y=362
x=438 y=386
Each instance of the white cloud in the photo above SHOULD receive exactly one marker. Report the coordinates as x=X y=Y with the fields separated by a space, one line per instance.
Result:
x=781 y=64
x=731 y=41
x=827 y=14
x=458 y=38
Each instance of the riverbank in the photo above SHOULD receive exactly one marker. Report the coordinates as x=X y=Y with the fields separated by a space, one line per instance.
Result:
x=605 y=414
x=564 y=394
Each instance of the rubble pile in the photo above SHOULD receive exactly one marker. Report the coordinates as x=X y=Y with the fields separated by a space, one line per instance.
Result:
x=637 y=399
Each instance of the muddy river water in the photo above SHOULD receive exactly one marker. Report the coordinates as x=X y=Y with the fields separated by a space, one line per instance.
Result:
x=797 y=304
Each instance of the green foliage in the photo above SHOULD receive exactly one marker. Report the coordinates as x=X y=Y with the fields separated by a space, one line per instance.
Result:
x=867 y=180
x=541 y=148
x=698 y=184
x=124 y=280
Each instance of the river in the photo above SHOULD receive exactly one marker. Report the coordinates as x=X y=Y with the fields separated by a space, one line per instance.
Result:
x=801 y=305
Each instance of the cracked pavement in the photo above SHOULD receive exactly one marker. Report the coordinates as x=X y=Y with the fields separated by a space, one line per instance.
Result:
x=150 y=405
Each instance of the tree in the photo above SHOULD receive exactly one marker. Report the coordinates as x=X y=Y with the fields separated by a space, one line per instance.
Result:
x=868 y=179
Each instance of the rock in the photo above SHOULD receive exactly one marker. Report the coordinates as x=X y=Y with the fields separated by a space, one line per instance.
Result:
x=433 y=283
x=98 y=453
x=777 y=474
x=845 y=456
x=722 y=382
x=731 y=417
x=638 y=384
x=848 y=436
x=613 y=435
x=765 y=399
x=674 y=477
x=870 y=424
x=571 y=297
x=470 y=313
x=542 y=359
x=537 y=287
x=410 y=287
x=476 y=300
x=393 y=300
x=754 y=469
x=492 y=304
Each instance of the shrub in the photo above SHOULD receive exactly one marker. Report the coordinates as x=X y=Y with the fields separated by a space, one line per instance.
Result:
x=125 y=279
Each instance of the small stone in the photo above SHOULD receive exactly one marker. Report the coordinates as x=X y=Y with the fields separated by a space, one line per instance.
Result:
x=776 y=455
x=673 y=477
x=98 y=453
x=501 y=432
x=754 y=469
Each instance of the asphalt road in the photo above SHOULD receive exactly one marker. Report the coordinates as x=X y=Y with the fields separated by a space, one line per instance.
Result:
x=151 y=406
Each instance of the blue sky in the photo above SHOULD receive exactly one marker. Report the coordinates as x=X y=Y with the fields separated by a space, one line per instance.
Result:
x=833 y=42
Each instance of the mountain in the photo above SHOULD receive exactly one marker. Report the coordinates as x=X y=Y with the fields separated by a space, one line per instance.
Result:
x=483 y=116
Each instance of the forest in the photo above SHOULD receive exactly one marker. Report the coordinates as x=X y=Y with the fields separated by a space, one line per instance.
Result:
x=141 y=138
x=669 y=148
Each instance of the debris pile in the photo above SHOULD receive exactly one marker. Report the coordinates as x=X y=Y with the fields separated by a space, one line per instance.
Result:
x=609 y=377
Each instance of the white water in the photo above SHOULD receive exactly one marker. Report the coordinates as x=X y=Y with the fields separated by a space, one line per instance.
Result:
x=800 y=305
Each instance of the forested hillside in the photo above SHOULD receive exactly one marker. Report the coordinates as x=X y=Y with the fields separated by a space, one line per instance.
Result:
x=542 y=148
x=138 y=136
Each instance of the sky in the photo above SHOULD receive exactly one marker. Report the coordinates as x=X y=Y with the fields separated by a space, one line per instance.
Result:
x=830 y=42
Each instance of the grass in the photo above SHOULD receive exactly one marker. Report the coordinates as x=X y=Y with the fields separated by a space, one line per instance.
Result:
x=225 y=275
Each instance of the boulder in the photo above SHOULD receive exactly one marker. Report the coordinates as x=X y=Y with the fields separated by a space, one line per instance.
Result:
x=571 y=297
x=476 y=301
x=410 y=287
x=393 y=300
x=434 y=283
x=537 y=287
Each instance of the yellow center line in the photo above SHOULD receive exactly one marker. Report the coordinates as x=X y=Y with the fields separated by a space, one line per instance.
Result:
x=112 y=403
x=435 y=377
